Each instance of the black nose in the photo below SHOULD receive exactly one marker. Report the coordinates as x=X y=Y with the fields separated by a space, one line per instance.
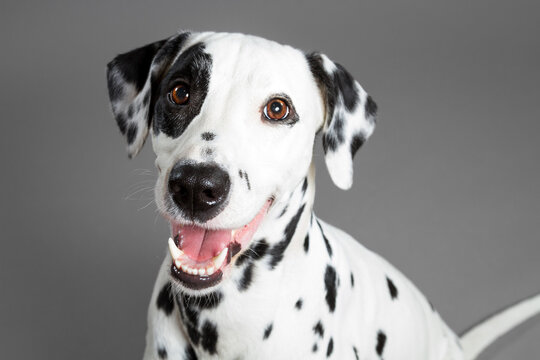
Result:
x=199 y=190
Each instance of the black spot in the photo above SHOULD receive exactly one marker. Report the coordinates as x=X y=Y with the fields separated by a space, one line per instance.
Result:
x=344 y=84
x=267 y=331
x=330 y=283
x=392 y=288
x=319 y=329
x=336 y=127
x=315 y=348
x=381 y=341
x=242 y=258
x=352 y=280
x=277 y=251
x=256 y=251
x=370 y=107
x=121 y=122
x=193 y=334
x=131 y=133
x=207 y=152
x=162 y=352
x=357 y=141
x=306 y=243
x=283 y=212
x=330 y=142
x=244 y=175
x=203 y=302
x=146 y=99
x=208 y=301
x=432 y=307
x=130 y=111
x=247 y=180
x=355 y=353
x=330 y=347
x=192 y=315
x=165 y=300
x=190 y=353
x=304 y=185
x=298 y=304
x=208 y=136
x=247 y=277
x=194 y=65
x=259 y=249
x=326 y=242
x=209 y=337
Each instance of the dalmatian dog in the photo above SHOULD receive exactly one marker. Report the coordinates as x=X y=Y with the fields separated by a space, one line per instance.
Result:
x=251 y=272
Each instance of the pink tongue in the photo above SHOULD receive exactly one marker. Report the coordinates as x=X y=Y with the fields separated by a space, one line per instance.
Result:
x=202 y=244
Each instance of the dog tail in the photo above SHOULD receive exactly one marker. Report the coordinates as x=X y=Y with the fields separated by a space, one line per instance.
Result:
x=481 y=335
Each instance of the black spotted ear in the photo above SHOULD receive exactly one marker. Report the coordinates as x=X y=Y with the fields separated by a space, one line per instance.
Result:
x=131 y=78
x=349 y=119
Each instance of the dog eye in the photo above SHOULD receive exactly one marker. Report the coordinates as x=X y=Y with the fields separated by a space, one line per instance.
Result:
x=276 y=109
x=179 y=95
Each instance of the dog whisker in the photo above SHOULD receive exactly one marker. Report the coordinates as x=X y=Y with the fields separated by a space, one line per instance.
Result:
x=145 y=206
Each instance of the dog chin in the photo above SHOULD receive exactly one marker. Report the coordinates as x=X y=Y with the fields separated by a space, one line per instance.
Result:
x=201 y=256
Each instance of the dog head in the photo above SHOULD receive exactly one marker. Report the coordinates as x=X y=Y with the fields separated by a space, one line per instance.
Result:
x=233 y=120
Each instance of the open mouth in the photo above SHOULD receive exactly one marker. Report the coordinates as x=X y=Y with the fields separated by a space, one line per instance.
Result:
x=201 y=255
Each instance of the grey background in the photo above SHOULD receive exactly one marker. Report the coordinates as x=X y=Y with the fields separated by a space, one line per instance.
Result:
x=447 y=188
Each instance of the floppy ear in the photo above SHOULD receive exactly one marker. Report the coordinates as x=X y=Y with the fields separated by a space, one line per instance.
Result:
x=349 y=117
x=132 y=78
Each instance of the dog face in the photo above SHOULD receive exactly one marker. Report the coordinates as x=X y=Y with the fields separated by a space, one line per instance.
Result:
x=233 y=120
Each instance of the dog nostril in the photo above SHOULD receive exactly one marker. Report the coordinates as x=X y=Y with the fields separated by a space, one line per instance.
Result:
x=208 y=195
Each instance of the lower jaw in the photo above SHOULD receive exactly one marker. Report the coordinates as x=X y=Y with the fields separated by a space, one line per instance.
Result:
x=196 y=282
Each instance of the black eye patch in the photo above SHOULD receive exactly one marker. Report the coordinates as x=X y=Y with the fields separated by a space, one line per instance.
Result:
x=193 y=68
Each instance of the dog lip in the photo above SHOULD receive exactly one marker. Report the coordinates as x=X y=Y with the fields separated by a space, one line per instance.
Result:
x=196 y=282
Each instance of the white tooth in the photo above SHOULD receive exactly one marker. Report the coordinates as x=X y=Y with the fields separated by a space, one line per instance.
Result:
x=176 y=253
x=210 y=270
x=184 y=268
x=218 y=260
x=233 y=233
x=202 y=272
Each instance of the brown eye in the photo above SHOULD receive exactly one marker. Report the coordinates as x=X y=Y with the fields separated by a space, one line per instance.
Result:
x=179 y=95
x=276 y=109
